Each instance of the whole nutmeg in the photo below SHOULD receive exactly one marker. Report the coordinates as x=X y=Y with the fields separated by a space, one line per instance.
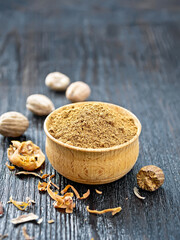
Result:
x=13 y=124
x=78 y=92
x=57 y=81
x=150 y=178
x=39 y=104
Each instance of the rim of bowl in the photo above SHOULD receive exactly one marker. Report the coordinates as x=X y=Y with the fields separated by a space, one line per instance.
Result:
x=137 y=123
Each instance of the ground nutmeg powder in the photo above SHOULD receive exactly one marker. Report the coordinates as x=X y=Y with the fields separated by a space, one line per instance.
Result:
x=92 y=125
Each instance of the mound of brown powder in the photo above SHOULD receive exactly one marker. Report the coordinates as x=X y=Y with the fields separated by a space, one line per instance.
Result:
x=92 y=125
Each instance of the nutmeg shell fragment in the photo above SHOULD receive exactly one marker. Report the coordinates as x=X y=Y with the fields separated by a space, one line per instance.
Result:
x=150 y=178
x=25 y=155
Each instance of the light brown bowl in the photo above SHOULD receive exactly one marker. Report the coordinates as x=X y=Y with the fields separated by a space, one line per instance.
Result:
x=93 y=166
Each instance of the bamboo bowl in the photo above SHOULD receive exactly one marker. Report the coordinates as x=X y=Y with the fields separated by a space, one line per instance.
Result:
x=93 y=166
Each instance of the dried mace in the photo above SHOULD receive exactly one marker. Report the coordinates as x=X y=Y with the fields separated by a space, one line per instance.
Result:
x=150 y=178
x=1 y=209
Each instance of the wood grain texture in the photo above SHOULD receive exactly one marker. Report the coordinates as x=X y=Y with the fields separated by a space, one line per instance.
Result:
x=127 y=51
x=92 y=166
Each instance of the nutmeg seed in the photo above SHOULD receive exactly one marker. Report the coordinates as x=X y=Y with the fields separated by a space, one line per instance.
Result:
x=39 y=104
x=78 y=91
x=150 y=178
x=13 y=124
x=57 y=81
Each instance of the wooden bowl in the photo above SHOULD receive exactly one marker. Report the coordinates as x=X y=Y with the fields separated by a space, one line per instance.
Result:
x=93 y=166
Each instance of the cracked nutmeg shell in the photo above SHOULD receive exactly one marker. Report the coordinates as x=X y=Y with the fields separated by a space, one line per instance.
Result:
x=150 y=178
x=25 y=155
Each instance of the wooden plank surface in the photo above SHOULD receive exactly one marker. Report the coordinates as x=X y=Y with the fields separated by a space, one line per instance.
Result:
x=128 y=52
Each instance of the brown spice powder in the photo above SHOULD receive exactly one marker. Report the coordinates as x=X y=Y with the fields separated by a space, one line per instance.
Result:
x=92 y=125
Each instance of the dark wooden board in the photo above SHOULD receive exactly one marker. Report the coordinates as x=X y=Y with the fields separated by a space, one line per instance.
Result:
x=128 y=52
